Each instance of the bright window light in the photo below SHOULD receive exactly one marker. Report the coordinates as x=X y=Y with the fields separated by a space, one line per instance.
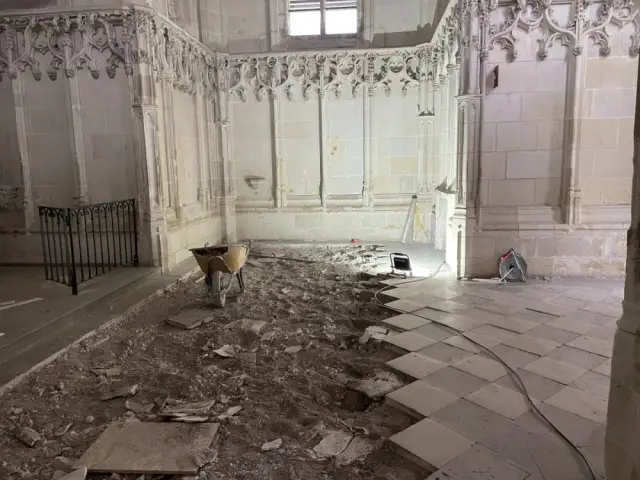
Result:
x=341 y=21
x=306 y=22
x=323 y=17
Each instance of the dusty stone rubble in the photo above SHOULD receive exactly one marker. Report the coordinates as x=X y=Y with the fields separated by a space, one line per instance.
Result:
x=283 y=368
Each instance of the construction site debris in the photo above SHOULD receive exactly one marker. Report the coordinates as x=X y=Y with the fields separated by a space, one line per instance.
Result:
x=377 y=387
x=123 y=392
x=79 y=474
x=373 y=334
x=190 y=319
x=149 y=448
x=107 y=372
x=195 y=408
x=27 y=435
x=60 y=432
x=227 y=351
x=332 y=444
x=272 y=445
x=293 y=350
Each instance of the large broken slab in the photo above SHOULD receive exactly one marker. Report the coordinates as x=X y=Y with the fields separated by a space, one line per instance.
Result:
x=190 y=319
x=149 y=448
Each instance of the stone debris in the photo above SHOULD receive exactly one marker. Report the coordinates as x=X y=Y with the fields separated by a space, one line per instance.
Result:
x=138 y=408
x=255 y=326
x=107 y=372
x=190 y=419
x=62 y=463
x=149 y=448
x=249 y=357
x=190 y=319
x=62 y=430
x=27 y=435
x=123 y=392
x=79 y=474
x=254 y=263
x=373 y=334
x=224 y=399
x=227 y=351
x=293 y=350
x=89 y=419
x=332 y=444
x=377 y=387
x=358 y=449
x=268 y=336
x=273 y=445
x=231 y=411
x=186 y=409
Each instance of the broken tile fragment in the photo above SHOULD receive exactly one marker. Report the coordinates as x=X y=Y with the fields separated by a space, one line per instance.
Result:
x=190 y=319
x=332 y=445
x=149 y=448
x=122 y=392
x=272 y=445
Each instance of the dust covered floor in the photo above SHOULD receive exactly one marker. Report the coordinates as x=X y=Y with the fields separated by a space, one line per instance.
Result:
x=292 y=397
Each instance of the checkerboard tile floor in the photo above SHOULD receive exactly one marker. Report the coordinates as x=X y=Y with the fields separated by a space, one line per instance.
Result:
x=473 y=422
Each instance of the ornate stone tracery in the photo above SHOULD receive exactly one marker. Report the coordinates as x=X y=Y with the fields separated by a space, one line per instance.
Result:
x=587 y=21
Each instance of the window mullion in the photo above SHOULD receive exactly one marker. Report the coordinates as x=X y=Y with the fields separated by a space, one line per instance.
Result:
x=323 y=18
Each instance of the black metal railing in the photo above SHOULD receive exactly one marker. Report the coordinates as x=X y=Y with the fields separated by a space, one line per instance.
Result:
x=80 y=243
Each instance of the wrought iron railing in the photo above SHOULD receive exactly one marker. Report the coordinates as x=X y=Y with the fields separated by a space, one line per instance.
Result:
x=80 y=243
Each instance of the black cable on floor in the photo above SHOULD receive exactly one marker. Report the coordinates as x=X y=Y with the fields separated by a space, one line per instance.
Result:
x=521 y=385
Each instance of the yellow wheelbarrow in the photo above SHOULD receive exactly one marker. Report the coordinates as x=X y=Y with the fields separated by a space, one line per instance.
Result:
x=218 y=261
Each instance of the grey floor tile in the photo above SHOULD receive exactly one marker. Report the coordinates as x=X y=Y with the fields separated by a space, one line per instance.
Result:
x=479 y=463
x=501 y=400
x=593 y=345
x=539 y=388
x=405 y=322
x=536 y=317
x=409 y=341
x=435 y=332
x=489 y=335
x=594 y=383
x=445 y=353
x=557 y=370
x=576 y=428
x=415 y=365
x=577 y=357
x=513 y=357
x=455 y=381
x=595 y=456
x=604 y=368
x=420 y=399
x=431 y=443
x=469 y=419
x=541 y=454
x=557 y=335
x=602 y=332
x=483 y=367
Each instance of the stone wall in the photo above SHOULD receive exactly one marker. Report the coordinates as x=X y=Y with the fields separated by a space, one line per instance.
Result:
x=82 y=129
x=556 y=142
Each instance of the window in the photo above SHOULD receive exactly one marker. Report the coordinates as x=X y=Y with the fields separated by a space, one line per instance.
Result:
x=323 y=17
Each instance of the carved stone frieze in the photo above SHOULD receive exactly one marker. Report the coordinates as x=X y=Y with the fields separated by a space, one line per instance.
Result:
x=587 y=21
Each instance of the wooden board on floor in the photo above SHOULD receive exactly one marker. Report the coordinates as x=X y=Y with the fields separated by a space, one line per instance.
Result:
x=149 y=448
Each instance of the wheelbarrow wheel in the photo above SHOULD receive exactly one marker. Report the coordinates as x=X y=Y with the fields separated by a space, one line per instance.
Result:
x=217 y=292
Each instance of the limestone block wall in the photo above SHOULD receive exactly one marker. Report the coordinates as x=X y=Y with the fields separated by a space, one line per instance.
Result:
x=556 y=145
x=333 y=146
x=88 y=123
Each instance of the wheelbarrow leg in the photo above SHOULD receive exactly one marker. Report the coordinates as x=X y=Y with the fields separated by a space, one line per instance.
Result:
x=240 y=280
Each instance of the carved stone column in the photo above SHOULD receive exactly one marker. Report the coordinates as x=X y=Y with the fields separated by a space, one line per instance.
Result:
x=203 y=158
x=228 y=198
x=369 y=139
x=622 y=455
x=152 y=225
